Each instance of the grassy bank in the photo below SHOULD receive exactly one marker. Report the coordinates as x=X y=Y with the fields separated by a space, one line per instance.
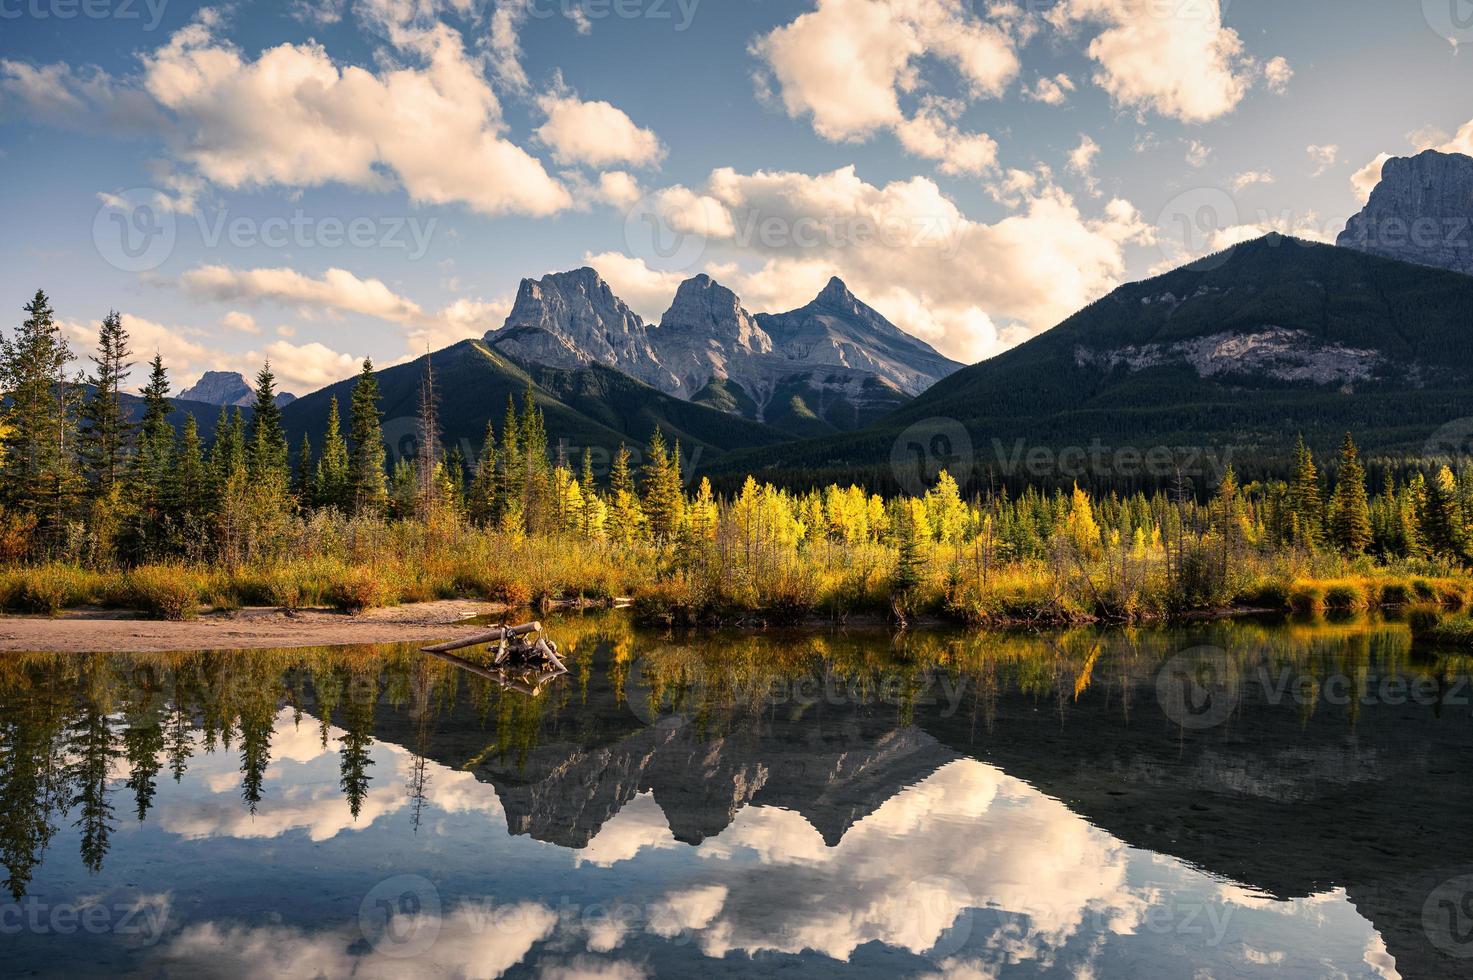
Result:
x=357 y=565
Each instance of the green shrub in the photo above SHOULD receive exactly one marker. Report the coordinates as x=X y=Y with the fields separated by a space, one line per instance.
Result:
x=1307 y=597
x=359 y=590
x=165 y=592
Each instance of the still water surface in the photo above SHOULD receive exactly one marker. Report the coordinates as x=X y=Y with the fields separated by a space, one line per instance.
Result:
x=1237 y=799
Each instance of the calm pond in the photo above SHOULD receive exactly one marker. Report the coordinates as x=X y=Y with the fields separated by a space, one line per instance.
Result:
x=1232 y=799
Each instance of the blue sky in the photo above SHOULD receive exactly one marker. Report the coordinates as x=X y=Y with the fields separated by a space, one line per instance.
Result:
x=318 y=181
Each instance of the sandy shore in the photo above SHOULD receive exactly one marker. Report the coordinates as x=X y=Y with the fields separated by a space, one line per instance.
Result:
x=89 y=631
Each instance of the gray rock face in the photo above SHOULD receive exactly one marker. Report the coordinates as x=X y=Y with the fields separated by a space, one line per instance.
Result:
x=572 y=320
x=226 y=388
x=836 y=359
x=1421 y=211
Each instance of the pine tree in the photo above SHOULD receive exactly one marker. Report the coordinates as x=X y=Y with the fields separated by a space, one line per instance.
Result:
x=481 y=498
x=266 y=449
x=1438 y=519
x=105 y=425
x=190 y=478
x=368 y=486
x=1350 y=512
x=663 y=496
x=330 y=481
x=427 y=462
x=305 y=480
x=40 y=475
x=1306 y=506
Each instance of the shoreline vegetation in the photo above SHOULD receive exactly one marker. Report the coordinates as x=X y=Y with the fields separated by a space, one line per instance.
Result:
x=97 y=510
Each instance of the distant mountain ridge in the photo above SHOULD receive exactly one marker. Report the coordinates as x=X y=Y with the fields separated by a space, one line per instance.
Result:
x=227 y=388
x=1421 y=211
x=833 y=365
x=1233 y=354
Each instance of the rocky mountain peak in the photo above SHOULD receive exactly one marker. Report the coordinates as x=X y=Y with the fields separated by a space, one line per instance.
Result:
x=1421 y=211
x=226 y=388
x=705 y=308
x=837 y=294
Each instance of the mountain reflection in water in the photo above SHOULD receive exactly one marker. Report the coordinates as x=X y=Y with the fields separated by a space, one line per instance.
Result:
x=1286 y=799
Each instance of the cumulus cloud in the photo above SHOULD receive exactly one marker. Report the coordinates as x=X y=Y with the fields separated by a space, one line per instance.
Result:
x=1175 y=59
x=296 y=118
x=1323 y=158
x=1248 y=178
x=1364 y=180
x=1277 y=75
x=1198 y=153
x=189 y=352
x=1082 y=162
x=847 y=65
x=1050 y=91
x=340 y=291
x=240 y=322
x=595 y=133
x=904 y=247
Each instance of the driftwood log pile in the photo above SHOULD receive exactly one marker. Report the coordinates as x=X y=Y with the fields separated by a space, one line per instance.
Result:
x=522 y=659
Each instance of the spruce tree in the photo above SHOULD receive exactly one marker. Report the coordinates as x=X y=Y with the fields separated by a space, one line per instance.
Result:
x=40 y=474
x=306 y=484
x=1438 y=519
x=105 y=425
x=662 y=490
x=332 y=477
x=481 y=499
x=266 y=449
x=1306 y=506
x=368 y=482
x=190 y=478
x=1350 y=512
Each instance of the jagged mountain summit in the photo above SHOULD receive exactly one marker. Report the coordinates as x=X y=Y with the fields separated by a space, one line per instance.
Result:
x=833 y=365
x=1421 y=211
x=227 y=388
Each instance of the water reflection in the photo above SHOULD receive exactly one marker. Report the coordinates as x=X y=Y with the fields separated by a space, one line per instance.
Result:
x=1241 y=797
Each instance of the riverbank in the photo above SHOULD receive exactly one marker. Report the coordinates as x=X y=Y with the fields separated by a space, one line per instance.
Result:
x=108 y=630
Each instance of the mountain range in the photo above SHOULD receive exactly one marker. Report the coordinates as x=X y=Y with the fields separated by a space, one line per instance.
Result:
x=1229 y=356
x=833 y=365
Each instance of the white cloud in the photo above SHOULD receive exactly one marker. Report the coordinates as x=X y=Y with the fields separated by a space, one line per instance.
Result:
x=240 y=322
x=1082 y=162
x=847 y=64
x=590 y=968
x=294 y=117
x=1366 y=178
x=905 y=248
x=1277 y=75
x=340 y=291
x=1176 y=59
x=1323 y=158
x=1248 y=178
x=474 y=942
x=595 y=133
x=1050 y=91
x=1198 y=154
